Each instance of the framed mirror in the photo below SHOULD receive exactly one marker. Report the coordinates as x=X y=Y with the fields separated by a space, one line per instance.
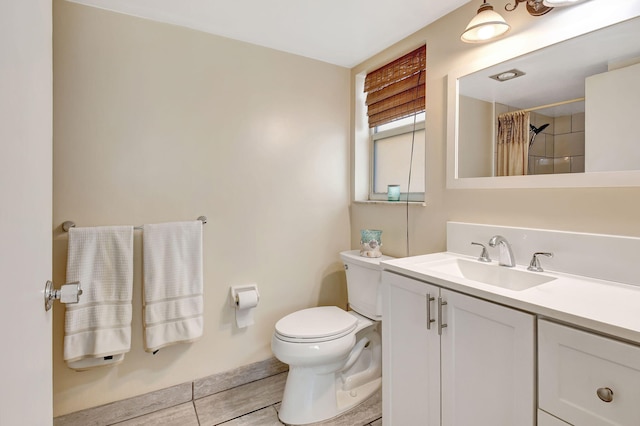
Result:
x=582 y=99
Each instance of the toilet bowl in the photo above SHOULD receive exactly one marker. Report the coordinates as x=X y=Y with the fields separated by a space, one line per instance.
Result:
x=334 y=356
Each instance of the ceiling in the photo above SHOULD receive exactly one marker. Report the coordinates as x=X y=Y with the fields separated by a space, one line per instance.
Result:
x=340 y=32
x=558 y=72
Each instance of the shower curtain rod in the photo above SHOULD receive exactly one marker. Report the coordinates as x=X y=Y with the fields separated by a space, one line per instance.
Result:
x=70 y=224
x=570 y=101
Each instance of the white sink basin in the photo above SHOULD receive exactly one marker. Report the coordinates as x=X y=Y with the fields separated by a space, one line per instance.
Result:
x=492 y=274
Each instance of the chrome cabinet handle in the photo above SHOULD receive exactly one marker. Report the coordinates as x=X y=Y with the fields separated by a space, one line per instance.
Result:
x=68 y=293
x=441 y=325
x=429 y=320
x=605 y=394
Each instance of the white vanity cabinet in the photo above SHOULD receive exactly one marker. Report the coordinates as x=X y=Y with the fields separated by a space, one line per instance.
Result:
x=586 y=379
x=410 y=354
x=455 y=359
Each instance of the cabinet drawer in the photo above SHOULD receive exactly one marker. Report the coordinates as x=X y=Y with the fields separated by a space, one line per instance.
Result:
x=573 y=365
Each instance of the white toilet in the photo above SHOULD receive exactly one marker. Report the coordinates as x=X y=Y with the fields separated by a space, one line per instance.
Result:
x=334 y=356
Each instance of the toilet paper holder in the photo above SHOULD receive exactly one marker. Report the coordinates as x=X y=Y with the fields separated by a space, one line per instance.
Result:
x=234 y=292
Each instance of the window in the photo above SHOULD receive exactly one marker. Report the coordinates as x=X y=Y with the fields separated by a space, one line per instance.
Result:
x=392 y=155
x=395 y=104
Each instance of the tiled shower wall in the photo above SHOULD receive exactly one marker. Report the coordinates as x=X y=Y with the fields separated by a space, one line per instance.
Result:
x=559 y=148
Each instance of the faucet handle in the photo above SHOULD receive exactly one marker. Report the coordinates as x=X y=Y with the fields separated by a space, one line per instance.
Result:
x=534 y=265
x=484 y=256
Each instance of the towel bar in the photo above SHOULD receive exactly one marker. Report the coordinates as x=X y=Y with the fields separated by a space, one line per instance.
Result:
x=68 y=293
x=70 y=224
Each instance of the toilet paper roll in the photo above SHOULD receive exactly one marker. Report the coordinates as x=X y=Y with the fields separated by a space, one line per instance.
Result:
x=247 y=301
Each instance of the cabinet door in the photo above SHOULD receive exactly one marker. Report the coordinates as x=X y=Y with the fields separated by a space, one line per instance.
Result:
x=411 y=354
x=488 y=371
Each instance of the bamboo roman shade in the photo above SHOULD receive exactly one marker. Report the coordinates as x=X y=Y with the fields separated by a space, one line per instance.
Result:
x=397 y=90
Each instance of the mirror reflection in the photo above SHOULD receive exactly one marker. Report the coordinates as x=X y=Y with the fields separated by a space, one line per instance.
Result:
x=567 y=108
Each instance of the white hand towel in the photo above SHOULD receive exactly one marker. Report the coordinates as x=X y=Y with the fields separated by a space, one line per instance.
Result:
x=98 y=327
x=173 y=300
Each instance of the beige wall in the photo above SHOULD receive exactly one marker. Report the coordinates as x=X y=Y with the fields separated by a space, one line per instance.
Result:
x=600 y=210
x=613 y=120
x=157 y=123
x=475 y=157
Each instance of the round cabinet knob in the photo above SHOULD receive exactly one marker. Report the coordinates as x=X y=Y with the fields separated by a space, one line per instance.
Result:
x=605 y=394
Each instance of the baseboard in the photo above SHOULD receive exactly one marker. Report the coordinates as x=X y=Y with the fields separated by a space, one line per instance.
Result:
x=140 y=405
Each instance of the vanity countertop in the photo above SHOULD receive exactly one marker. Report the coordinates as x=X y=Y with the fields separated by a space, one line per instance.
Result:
x=603 y=306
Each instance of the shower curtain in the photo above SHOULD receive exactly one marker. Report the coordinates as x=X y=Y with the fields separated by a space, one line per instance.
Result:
x=513 y=143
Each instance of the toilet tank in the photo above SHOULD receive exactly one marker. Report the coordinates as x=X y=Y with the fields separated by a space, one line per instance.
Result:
x=364 y=276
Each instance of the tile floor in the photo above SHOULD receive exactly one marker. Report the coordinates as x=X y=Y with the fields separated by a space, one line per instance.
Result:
x=252 y=404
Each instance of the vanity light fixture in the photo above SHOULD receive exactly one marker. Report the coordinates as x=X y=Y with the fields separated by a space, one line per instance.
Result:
x=560 y=3
x=485 y=26
x=540 y=7
x=488 y=24
x=534 y=7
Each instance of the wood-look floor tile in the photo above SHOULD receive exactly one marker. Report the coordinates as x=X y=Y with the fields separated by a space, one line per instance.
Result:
x=227 y=405
x=128 y=408
x=237 y=377
x=362 y=415
x=265 y=417
x=181 y=415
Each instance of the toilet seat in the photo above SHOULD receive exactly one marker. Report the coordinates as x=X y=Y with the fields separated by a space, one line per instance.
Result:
x=315 y=325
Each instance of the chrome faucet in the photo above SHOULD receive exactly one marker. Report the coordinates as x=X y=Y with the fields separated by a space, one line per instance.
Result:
x=506 y=255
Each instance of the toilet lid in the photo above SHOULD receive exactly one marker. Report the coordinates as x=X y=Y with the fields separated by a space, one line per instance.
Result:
x=316 y=323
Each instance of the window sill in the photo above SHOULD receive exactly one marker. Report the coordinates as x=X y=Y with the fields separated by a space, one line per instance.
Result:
x=391 y=203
